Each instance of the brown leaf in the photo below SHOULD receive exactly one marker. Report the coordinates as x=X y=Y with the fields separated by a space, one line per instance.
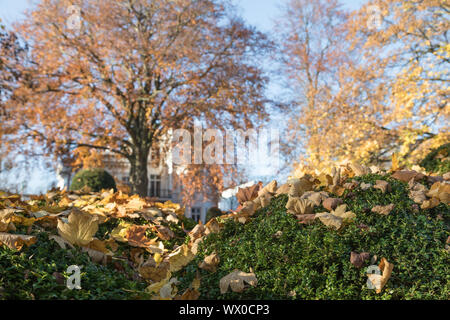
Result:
x=136 y=236
x=384 y=186
x=16 y=241
x=189 y=294
x=305 y=218
x=180 y=257
x=315 y=197
x=406 y=176
x=150 y=270
x=357 y=259
x=197 y=232
x=384 y=210
x=296 y=205
x=283 y=189
x=236 y=281
x=331 y=203
x=164 y=233
x=249 y=193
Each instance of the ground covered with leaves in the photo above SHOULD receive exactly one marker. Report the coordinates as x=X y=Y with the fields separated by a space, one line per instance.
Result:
x=314 y=237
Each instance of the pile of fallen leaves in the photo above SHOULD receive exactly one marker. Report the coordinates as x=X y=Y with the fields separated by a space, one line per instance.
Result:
x=110 y=228
x=169 y=253
x=325 y=198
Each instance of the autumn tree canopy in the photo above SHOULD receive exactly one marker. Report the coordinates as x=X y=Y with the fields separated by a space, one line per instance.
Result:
x=133 y=70
x=384 y=85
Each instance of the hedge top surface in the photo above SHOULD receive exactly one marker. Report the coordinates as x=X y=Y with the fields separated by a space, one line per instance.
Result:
x=96 y=179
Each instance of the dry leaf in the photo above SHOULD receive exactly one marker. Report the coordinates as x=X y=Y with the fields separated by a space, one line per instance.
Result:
x=305 y=218
x=357 y=259
x=80 y=229
x=210 y=263
x=296 y=205
x=358 y=169
x=379 y=281
x=5 y=219
x=298 y=187
x=270 y=188
x=236 y=281
x=365 y=186
x=406 y=176
x=330 y=220
x=331 y=203
x=180 y=258
x=197 y=232
x=384 y=186
x=249 y=193
x=16 y=241
x=156 y=272
x=384 y=210
x=164 y=233
x=441 y=191
x=212 y=226
x=61 y=242
x=337 y=217
x=315 y=197
x=283 y=189
x=137 y=238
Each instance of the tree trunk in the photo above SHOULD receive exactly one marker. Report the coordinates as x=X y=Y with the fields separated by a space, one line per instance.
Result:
x=139 y=174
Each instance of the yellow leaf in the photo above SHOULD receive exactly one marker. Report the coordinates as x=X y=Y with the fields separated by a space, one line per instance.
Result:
x=180 y=258
x=80 y=229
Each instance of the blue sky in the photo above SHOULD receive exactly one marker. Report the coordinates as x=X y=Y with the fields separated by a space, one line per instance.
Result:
x=259 y=13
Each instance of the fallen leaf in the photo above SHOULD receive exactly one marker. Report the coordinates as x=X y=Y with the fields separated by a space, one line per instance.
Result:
x=315 y=197
x=5 y=219
x=270 y=188
x=236 y=281
x=336 y=218
x=120 y=232
x=80 y=229
x=283 y=189
x=164 y=233
x=357 y=259
x=379 y=281
x=61 y=241
x=441 y=191
x=298 y=187
x=180 y=258
x=136 y=236
x=406 y=176
x=305 y=218
x=296 y=205
x=210 y=263
x=16 y=241
x=382 y=185
x=198 y=231
x=249 y=193
x=358 y=169
x=384 y=210
x=331 y=203
x=151 y=270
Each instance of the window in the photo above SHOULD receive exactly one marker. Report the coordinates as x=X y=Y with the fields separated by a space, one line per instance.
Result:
x=155 y=185
x=195 y=214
